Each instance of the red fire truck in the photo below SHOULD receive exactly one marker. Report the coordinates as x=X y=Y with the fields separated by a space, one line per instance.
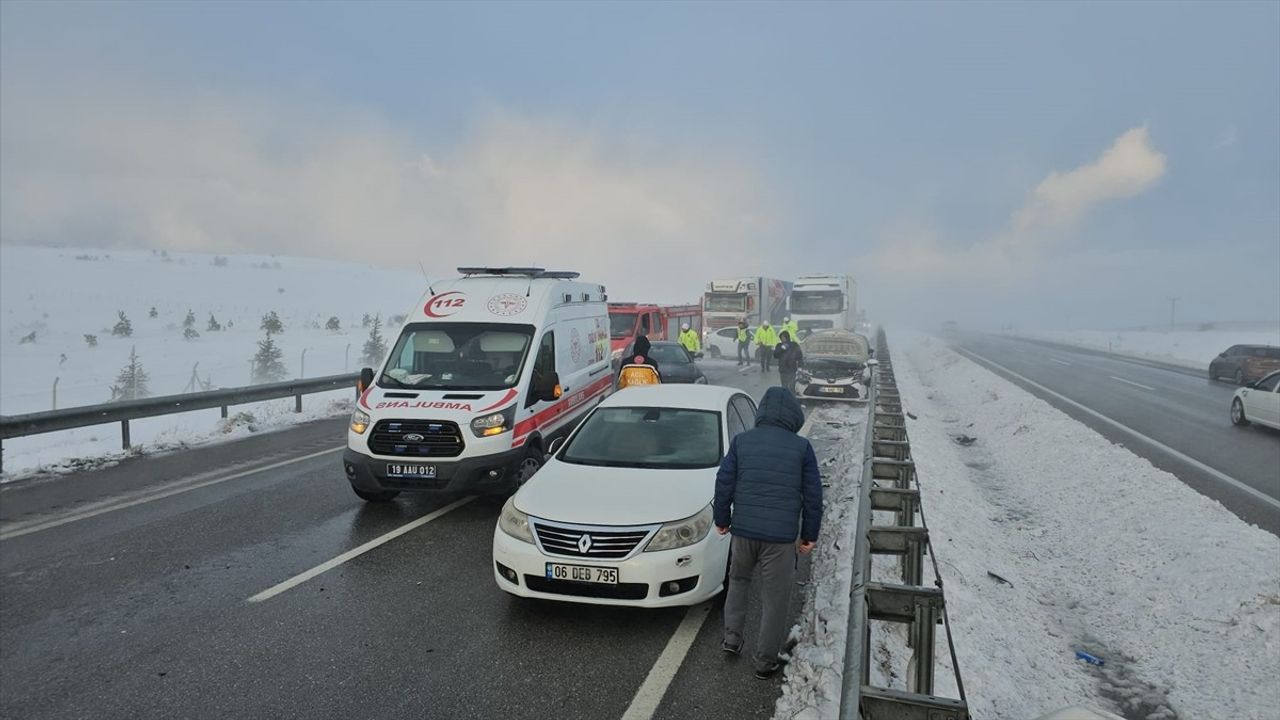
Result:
x=657 y=322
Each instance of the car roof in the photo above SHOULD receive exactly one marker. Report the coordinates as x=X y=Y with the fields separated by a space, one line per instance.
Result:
x=694 y=397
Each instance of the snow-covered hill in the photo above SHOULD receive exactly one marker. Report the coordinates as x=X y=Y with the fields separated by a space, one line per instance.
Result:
x=62 y=294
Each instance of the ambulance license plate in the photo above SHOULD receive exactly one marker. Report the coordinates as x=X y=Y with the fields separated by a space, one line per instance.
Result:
x=398 y=470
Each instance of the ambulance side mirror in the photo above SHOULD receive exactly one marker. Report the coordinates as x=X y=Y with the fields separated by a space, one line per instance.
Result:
x=366 y=379
x=550 y=389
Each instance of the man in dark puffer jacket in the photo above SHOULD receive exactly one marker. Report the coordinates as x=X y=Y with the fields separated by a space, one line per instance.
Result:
x=768 y=493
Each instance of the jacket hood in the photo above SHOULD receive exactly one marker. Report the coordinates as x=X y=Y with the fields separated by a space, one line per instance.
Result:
x=641 y=347
x=780 y=408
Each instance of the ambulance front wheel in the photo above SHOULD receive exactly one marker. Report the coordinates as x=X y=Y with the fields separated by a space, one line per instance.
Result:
x=529 y=464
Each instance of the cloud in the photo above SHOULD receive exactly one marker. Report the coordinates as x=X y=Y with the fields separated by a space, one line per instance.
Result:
x=1055 y=207
x=93 y=164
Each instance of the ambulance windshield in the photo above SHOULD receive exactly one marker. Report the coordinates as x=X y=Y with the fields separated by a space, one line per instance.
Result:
x=457 y=356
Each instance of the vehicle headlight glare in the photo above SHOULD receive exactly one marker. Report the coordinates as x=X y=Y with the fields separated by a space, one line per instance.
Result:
x=681 y=533
x=493 y=424
x=515 y=523
x=359 y=422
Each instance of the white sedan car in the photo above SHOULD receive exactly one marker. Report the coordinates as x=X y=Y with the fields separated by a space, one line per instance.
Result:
x=621 y=514
x=1259 y=402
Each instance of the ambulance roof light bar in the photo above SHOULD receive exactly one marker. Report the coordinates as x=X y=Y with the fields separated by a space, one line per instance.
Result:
x=529 y=272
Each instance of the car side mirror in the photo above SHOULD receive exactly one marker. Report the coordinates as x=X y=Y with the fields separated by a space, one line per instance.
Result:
x=366 y=380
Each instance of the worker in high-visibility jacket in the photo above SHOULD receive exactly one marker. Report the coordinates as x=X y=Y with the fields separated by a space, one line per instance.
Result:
x=792 y=327
x=689 y=339
x=744 y=344
x=766 y=339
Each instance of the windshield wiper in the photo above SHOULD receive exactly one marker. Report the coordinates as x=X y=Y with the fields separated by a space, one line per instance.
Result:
x=389 y=379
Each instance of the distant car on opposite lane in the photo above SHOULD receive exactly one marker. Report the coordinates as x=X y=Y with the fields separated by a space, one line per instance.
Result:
x=1258 y=403
x=1245 y=363
x=621 y=515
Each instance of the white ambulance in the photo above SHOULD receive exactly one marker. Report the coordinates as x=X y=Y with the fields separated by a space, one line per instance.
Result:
x=488 y=370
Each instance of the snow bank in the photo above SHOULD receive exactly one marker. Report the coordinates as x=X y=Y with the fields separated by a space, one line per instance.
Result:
x=63 y=294
x=1102 y=553
x=1191 y=348
x=811 y=689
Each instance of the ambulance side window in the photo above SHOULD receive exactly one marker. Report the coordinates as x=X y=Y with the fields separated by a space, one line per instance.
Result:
x=543 y=365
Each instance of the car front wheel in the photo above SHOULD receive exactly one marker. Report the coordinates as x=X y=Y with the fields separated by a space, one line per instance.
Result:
x=1239 y=377
x=1237 y=413
x=714 y=351
x=531 y=463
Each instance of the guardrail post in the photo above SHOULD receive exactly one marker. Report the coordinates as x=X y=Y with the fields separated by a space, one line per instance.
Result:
x=297 y=405
x=224 y=412
x=55 y=392
x=921 y=634
x=124 y=434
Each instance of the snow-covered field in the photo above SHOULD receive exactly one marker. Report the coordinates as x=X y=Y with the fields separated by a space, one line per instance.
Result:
x=1191 y=348
x=1101 y=552
x=63 y=294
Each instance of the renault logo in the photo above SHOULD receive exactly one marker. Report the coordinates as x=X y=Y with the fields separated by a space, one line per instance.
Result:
x=584 y=544
x=413 y=437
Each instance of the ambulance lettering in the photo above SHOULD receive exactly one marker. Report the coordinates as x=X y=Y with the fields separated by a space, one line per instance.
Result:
x=423 y=405
x=445 y=304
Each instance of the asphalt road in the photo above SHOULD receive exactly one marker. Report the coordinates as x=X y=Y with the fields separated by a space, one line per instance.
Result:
x=1176 y=418
x=124 y=593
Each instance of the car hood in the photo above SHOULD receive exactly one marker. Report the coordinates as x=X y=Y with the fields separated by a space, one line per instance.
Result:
x=687 y=371
x=592 y=495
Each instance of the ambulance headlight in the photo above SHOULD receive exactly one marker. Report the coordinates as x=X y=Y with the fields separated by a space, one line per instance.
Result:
x=495 y=423
x=359 y=422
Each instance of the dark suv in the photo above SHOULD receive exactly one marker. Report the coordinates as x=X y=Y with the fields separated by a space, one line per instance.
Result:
x=1245 y=363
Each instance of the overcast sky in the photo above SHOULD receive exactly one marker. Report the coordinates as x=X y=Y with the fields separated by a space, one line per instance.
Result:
x=1043 y=164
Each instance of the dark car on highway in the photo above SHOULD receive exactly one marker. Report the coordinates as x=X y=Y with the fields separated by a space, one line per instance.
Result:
x=1245 y=363
x=675 y=364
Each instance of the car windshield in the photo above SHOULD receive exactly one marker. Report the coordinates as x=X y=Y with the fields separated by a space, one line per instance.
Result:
x=457 y=356
x=669 y=355
x=726 y=302
x=817 y=302
x=622 y=326
x=647 y=437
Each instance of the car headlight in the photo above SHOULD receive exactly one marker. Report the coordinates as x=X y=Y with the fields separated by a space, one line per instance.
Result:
x=803 y=376
x=359 y=422
x=681 y=533
x=515 y=523
x=494 y=424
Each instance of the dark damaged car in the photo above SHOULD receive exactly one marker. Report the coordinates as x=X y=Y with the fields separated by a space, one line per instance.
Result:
x=836 y=366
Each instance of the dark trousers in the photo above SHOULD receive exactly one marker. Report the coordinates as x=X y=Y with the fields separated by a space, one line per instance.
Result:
x=777 y=565
x=788 y=380
x=744 y=352
x=766 y=358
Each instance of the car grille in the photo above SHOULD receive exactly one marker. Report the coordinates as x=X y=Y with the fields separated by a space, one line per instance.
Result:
x=621 y=591
x=437 y=438
x=605 y=544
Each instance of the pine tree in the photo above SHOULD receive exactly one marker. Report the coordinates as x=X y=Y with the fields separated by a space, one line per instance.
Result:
x=190 y=334
x=131 y=383
x=91 y=340
x=214 y=325
x=266 y=362
x=123 y=327
x=271 y=323
x=366 y=321
x=333 y=325
x=375 y=348
x=190 y=320
x=153 y=312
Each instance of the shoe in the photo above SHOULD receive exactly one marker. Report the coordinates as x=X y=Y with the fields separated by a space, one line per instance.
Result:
x=764 y=672
x=731 y=648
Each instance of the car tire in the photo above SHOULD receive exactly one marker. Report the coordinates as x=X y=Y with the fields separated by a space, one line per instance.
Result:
x=375 y=496
x=1213 y=376
x=1239 y=376
x=1237 y=413
x=714 y=352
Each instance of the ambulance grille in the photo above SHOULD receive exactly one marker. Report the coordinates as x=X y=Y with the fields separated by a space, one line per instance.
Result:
x=416 y=438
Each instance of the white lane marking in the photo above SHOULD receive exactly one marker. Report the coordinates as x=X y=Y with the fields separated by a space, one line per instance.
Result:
x=324 y=567
x=1060 y=362
x=1218 y=474
x=649 y=696
x=107 y=506
x=1130 y=382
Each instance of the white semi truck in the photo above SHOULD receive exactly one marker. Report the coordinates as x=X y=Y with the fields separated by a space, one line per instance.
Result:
x=823 y=302
x=754 y=299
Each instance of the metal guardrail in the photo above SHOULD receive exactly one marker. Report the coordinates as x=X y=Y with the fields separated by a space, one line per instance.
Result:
x=887 y=475
x=37 y=423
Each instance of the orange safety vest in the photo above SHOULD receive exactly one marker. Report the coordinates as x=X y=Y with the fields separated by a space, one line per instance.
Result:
x=637 y=375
